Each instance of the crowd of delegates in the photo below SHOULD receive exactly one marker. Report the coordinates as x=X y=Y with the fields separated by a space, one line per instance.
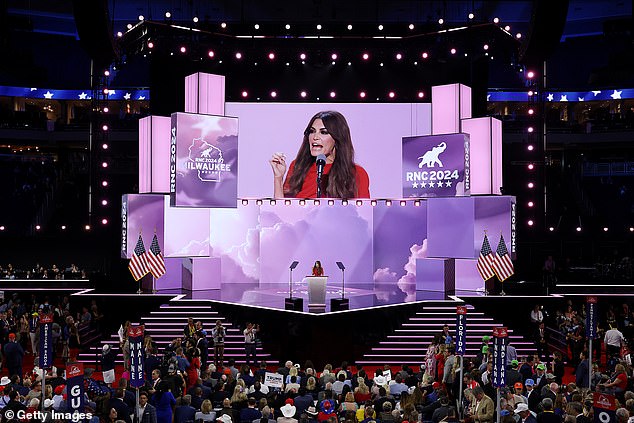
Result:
x=40 y=272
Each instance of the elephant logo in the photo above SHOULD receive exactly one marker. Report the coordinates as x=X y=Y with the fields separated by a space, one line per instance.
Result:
x=430 y=158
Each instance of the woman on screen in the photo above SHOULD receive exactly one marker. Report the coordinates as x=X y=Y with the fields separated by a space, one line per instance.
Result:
x=328 y=134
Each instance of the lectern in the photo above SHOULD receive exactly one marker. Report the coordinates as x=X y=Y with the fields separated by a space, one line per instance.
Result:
x=316 y=293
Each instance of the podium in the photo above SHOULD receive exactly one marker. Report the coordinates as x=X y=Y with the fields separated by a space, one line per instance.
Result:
x=316 y=293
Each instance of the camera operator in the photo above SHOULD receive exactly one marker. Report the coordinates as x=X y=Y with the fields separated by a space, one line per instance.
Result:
x=218 y=335
x=250 y=342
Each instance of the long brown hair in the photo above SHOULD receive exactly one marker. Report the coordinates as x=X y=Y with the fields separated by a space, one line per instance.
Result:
x=340 y=181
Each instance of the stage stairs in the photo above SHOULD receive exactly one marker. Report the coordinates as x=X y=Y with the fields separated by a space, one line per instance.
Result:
x=167 y=323
x=408 y=343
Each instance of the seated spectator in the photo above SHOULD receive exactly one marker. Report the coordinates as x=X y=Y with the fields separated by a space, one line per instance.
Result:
x=250 y=413
x=266 y=416
x=206 y=414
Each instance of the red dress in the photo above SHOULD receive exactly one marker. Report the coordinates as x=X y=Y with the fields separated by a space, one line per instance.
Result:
x=192 y=371
x=309 y=188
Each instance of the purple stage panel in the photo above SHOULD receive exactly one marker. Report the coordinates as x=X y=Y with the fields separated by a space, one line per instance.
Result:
x=450 y=103
x=436 y=166
x=203 y=161
x=450 y=223
x=203 y=273
x=141 y=213
x=173 y=277
x=486 y=154
x=205 y=93
x=468 y=278
x=154 y=146
x=494 y=214
x=234 y=238
x=186 y=231
x=309 y=233
x=400 y=238
x=376 y=129
x=435 y=274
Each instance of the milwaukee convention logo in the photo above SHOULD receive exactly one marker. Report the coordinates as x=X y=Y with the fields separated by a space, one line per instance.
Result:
x=436 y=178
x=207 y=160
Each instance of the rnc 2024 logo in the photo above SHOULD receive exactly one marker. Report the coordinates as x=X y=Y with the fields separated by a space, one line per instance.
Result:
x=436 y=178
x=207 y=160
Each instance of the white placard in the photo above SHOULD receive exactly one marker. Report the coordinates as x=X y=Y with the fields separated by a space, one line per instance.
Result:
x=273 y=380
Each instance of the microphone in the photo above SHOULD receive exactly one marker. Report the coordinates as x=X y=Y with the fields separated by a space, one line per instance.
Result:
x=321 y=163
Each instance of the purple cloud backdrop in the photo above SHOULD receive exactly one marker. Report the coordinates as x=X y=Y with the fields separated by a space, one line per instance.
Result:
x=186 y=231
x=492 y=214
x=145 y=212
x=207 y=138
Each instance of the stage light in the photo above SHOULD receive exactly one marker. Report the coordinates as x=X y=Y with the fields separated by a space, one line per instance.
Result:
x=104 y=202
x=271 y=56
x=531 y=204
x=365 y=56
x=63 y=227
x=87 y=227
x=631 y=229
x=303 y=94
x=507 y=28
x=344 y=202
x=486 y=46
x=441 y=21
x=362 y=94
x=530 y=74
x=119 y=34
x=551 y=229
x=287 y=26
x=373 y=202
x=104 y=183
x=287 y=202
x=391 y=94
x=183 y=49
x=106 y=110
x=530 y=93
x=349 y=63
x=168 y=15
x=38 y=227
x=104 y=146
x=411 y=26
x=421 y=94
x=530 y=147
x=223 y=25
x=331 y=202
x=272 y=202
x=333 y=56
x=359 y=203
x=530 y=223
x=211 y=53
x=104 y=127
x=302 y=56
x=380 y=27
x=258 y=202
x=106 y=91
x=319 y=27
x=245 y=202
x=578 y=228
x=316 y=202
x=349 y=27
x=106 y=73
x=530 y=129
x=605 y=229
x=403 y=203
x=238 y=55
x=530 y=185
x=2 y=228
x=416 y=203
x=333 y=94
x=302 y=202
x=141 y=17
x=531 y=111
x=471 y=16
x=388 y=202
x=496 y=20
x=531 y=166
x=381 y=64
x=273 y=94
x=195 y=19
x=104 y=221
x=425 y=55
x=399 y=56
x=518 y=35
x=245 y=94
x=104 y=164
x=129 y=26
x=256 y=26
x=453 y=51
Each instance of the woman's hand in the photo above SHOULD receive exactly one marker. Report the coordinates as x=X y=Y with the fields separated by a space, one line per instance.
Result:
x=278 y=164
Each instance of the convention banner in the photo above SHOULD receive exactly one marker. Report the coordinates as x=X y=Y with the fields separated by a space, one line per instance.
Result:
x=591 y=317
x=604 y=408
x=461 y=330
x=499 y=356
x=135 y=337
x=436 y=166
x=46 y=341
x=75 y=387
x=203 y=161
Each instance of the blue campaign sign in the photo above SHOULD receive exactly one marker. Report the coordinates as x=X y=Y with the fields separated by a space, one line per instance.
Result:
x=46 y=341
x=135 y=337
x=461 y=330
x=499 y=356
x=75 y=387
x=591 y=317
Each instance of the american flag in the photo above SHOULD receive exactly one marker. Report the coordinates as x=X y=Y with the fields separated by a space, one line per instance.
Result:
x=155 y=260
x=138 y=262
x=486 y=260
x=503 y=266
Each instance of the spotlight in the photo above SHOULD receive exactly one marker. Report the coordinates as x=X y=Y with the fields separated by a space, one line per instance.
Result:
x=319 y=27
x=421 y=94
x=238 y=55
x=141 y=17
x=530 y=74
x=359 y=203
x=129 y=26
x=168 y=15
x=38 y=227
x=287 y=26
x=416 y=203
x=388 y=202
x=496 y=20
x=391 y=94
x=333 y=56
x=271 y=56
x=380 y=27
x=631 y=229
x=453 y=51
x=441 y=21
x=256 y=26
x=531 y=166
x=344 y=202
x=605 y=229
x=287 y=202
x=471 y=16
x=106 y=110
x=403 y=203
x=195 y=19
x=530 y=223
x=104 y=146
x=551 y=229
x=104 y=221
x=486 y=46
x=303 y=94
x=119 y=34
x=63 y=227
x=223 y=25
x=302 y=56
x=530 y=185
x=2 y=228
x=302 y=202
x=104 y=127
x=425 y=55
x=531 y=111
x=507 y=28
x=578 y=228
x=104 y=183
x=349 y=27
x=518 y=35
x=331 y=202
x=258 y=202
x=365 y=56
x=531 y=93
x=106 y=73
x=531 y=204
x=104 y=202
x=272 y=202
x=333 y=94
x=211 y=53
x=104 y=164
x=87 y=227
x=530 y=129
x=245 y=94
x=530 y=147
x=316 y=202
x=411 y=26
x=362 y=94
x=373 y=203
x=273 y=94
x=399 y=56
x=183 y=49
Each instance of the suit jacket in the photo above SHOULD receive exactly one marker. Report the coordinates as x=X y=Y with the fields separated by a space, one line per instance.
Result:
x=486 y=410
x=530 y=419
x=149 y=414
x=548 y=418
x=534 y=399
x=123 y=412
